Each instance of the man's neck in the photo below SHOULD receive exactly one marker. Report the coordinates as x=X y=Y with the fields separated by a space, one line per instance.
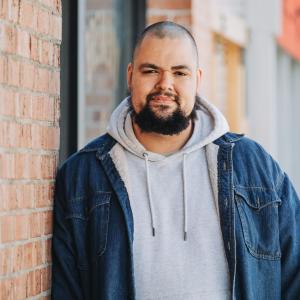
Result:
x=161 y=143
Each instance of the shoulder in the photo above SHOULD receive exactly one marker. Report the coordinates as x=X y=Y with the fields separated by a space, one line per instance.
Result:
x=101 y=144
x=85 y=161
x=251 y=162
x=82 y=173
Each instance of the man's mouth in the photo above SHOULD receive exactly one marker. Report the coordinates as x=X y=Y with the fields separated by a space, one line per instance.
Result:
x=162 y=98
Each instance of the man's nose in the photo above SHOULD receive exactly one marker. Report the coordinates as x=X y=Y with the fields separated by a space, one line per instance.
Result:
x=165 y=82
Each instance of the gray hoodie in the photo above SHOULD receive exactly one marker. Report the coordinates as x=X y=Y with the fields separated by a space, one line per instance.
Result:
x=178 y=250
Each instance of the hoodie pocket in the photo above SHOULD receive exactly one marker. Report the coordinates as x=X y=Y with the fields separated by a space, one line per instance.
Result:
x=89 y=219
x=258 y=214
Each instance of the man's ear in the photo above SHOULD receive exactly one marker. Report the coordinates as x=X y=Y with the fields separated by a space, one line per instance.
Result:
x=199 y=76
x=129 y=75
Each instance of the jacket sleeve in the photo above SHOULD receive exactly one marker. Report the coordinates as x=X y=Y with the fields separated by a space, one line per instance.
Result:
x=65 y=275
x=289 y=219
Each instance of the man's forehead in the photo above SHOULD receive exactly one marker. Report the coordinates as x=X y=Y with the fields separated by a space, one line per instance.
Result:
x=172 y=47
x=178 y=39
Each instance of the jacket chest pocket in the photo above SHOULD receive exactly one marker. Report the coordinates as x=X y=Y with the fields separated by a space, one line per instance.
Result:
x=89 y=218
x=258 y=214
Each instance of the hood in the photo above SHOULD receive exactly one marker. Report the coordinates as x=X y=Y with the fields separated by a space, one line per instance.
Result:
x=208 y=127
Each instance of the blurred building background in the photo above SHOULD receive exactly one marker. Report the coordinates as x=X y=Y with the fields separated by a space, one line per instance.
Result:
x=250 y=59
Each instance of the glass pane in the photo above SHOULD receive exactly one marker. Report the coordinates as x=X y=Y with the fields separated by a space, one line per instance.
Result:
x=107 y=52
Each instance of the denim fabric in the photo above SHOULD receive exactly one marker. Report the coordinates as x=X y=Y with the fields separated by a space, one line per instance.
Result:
x=93 y=225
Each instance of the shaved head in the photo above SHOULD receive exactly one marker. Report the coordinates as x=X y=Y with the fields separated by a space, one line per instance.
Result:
x=166 y=29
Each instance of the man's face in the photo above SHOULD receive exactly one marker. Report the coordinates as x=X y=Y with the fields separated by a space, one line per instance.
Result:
x=164 y=77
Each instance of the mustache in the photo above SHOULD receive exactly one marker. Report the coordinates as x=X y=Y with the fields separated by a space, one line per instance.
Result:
x=167 y=94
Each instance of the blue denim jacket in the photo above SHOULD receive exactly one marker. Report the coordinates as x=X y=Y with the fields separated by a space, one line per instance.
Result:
x=93 y=225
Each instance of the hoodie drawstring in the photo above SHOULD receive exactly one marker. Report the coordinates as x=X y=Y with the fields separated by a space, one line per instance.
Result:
x=184 y=199
x=149 y=194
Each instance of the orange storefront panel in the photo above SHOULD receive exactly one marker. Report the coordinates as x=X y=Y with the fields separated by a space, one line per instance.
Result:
x=290 y=36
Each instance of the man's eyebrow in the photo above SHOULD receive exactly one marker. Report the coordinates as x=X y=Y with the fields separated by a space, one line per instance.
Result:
x=155 y=67
x=180 y=67
x=148 y=65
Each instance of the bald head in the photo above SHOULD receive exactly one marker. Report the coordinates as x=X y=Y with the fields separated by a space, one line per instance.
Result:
x=166 y=29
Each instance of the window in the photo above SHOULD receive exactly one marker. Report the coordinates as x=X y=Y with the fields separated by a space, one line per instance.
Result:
x=98 y=38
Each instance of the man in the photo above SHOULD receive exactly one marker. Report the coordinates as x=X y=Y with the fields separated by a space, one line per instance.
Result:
x=168 y=204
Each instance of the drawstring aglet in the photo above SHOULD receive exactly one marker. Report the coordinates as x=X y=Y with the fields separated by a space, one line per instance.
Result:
x=153 y=231
x=185 y=236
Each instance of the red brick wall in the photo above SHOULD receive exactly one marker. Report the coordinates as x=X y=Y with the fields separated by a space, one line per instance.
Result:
x=178 y=11
x=30 y=37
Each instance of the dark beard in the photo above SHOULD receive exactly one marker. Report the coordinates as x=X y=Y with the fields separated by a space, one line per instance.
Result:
x=173 y=124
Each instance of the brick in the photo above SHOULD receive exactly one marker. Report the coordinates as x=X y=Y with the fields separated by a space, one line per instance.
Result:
x=56 y=27
x=58 y=6
x=3 y=69
x=3 y=197
x=12 y=203
x=6 y=261
x=56 y=56
x=33 y=283
x=27 y=75
x=38 y=107
x=20 y=283
x=8 y=134
x=52 y=138
x=25 y=105
x=46 y=221
x=34 y=47
x=47 y=250
x=46 y=47
x=24 y=136
x=45 y=278
x=25 y=196
x=13 y=72
x=27 y=15
x=37 y=136
x=22 y=165
x=30 y=292
x=3 y=134
x=3 y=9
x=7 y=102
x=154 y=19
x=35 y=224
x=27 y=261
x=43 y=194
x=8 y=38
x=23 y=43
x=41 y=80
x=8 y=197
x=37 y=282
x=13 y=11
x=184 y=21
x=49 y=163
x=7 y=228
x=18 y=261
x=22 y=227
x=43 y=21
x=7 y=163
x=54 y=83
x=57 y=110
x=37 y=257
x=7 y=290
x=169 y=4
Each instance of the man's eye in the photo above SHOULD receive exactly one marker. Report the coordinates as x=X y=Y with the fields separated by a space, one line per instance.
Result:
x=178 y=73
x=151 y=71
